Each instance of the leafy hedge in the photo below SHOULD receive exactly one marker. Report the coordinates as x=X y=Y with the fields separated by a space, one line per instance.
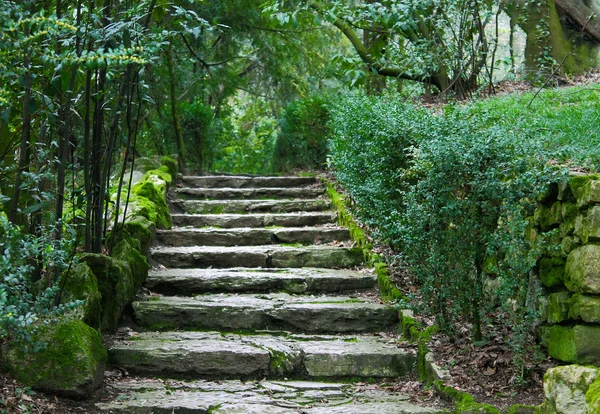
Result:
x=451 y=192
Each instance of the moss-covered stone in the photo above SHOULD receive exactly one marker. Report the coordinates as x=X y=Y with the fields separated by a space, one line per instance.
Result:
x=171 y=164
x=582 y=272
x=586 y=189
x=569 y=213
x=464 y=402
x=568 y=244
x=144 y=164
x=552 y=271
x=161 y=178
x=72 y=364
x=115 y=283
x=137 y=262
x=565 y=388
x=592 y=397
x=579 y=344
x=81 y=284
x=558 y=307
x=585 y=308
x=549 y=217
x=152 y=204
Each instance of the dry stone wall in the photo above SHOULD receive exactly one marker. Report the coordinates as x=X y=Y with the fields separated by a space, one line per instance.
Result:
x=569 y=218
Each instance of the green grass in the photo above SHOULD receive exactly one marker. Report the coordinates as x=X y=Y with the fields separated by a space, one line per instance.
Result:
x=566 y=120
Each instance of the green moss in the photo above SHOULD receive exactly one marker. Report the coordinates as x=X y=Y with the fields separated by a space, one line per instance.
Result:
x=592 y=397
x=171 y=165
x=72 y=364
x=552 y=271
x=160 y=177
x=137 y=262
x=153 y=204
x=525 y=409
x=81 y=284
x=280 y=363
x=464 y=402
x=560 y=341
x=115 y=283
x=558 y=307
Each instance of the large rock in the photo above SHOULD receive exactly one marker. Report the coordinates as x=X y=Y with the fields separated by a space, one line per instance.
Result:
x=72 y=364
x=257 y=256
x=585 y=308
x=223 y=181
x=211 y=354
x=251 y=236
x=586 y=189
x=579 y=344
x=193 y=281
x=247 y=193
x=321 y=314
x=80 y=283
x=582 y=273
x=248 y=206
x=566 y=387
x=228 y=221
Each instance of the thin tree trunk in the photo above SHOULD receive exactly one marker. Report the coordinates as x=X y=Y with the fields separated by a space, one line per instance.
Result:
x=177 y=126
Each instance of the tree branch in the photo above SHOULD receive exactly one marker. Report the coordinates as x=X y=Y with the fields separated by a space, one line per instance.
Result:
x=582 y=15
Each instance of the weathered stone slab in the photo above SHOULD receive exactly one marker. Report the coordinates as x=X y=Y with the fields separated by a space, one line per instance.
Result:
x=224 y=181
x=207 y=354
x=248 y=206
x=579 y=344
x=582 y=273
x=322 y=314
x=192 y=281
x=247 y=193
x=257 y=256
x=229 y=221
x=251 y=236
x=256 y=397
x=566 y=387
x=181 y=354
x=585 y=308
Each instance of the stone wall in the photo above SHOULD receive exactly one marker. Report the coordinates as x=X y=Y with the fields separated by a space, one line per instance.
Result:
x=569 y=218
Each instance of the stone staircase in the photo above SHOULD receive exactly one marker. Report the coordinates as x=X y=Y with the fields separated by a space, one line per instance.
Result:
x=257 y=302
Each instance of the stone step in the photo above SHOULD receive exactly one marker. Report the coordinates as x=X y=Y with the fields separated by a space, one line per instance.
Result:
x=248 y=206
x=276 y=311
x=192 y=281
x=247 y=193
x=236 y=356
x=257 y=256
x=229 y=221
x=268 y=397
x=251 y=236
x=225 y=181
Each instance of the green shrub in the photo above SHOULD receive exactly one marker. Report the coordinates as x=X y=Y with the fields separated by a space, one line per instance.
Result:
x=21 y=305
x=302 y=139
x=369 y=152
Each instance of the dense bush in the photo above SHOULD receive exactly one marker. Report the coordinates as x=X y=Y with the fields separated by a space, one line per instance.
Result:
x=372 y=141
x=451 y=192
x=302 y=139
x=22 y=302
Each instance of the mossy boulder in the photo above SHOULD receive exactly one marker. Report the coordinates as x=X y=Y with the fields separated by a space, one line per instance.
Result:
x=72 y=364
x=138 y=231
x=585 y=308
x=582 y=272
x=558 y=307
x=80 y=283
x=144 y=164
x=565 y=388
x=135 y=259
x=151 y=203
x=579 y=344
x=549 y=217
x=586 y=189
x=161 y=178
x=171 y=164
x=115 y=283
x=552 y=271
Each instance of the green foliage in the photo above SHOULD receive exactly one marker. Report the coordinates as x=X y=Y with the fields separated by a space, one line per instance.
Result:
x=21 y=307
x=302 y=139
x=370 y=151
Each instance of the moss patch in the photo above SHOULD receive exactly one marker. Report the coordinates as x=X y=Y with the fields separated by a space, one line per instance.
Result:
x=72 y=364
x=152 y=204
x=81 y=284
x=464 y=403
x=171 y=164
